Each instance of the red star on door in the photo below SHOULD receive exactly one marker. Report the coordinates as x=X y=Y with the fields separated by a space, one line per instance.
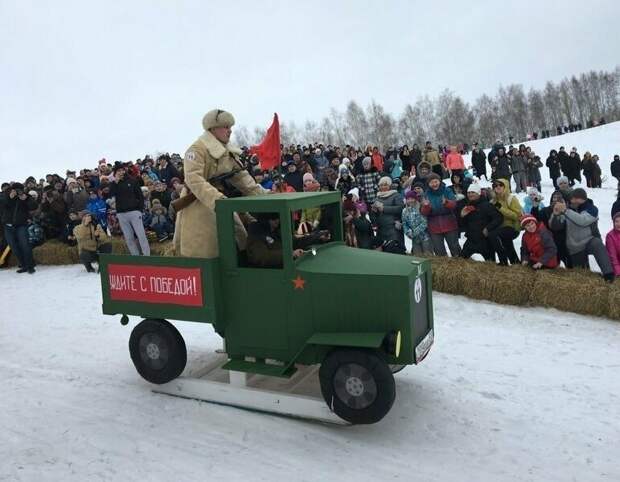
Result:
x=299 y=283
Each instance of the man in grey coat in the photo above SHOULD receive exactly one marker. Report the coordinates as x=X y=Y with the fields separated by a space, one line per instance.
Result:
x=582 y=235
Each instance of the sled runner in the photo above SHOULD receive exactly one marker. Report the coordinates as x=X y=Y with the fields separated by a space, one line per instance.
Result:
x=298 y=396
x=308 y=319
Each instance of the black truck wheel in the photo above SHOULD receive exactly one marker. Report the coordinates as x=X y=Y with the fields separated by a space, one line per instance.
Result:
x=357 y=385
x=157 y=350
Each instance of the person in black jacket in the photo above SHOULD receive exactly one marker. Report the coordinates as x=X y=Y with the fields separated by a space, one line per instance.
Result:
x=16 y=206
x=129 y=207
x=553 y=164
x=479 y=161
x=478 y=217
x=615 y=168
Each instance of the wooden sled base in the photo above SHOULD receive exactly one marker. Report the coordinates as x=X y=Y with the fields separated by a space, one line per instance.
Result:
x=298 y=396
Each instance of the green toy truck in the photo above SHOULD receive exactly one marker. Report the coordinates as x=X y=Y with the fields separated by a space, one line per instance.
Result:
x=360 y=314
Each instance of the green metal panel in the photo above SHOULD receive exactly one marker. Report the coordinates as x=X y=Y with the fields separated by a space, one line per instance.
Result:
x=210 y=289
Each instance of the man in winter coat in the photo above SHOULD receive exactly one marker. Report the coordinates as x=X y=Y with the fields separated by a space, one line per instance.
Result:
x=553 y=164
x=92 y=240
x=582 y=235
x=211 y=155
x=16 y=206
x=538 y=249
x=479 y=161
x=478 y=218
x=129 y=203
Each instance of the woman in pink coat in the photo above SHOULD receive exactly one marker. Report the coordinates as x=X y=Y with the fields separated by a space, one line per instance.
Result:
x=454 y=162
x=612 y=242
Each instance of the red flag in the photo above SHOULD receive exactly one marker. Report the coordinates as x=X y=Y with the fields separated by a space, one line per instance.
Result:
x=268 y=151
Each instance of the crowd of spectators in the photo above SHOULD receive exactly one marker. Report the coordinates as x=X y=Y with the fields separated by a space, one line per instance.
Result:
x=427 y=195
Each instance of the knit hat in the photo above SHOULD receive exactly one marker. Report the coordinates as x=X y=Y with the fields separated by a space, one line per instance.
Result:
x=433 y=175
x=366 y=162
x=33 y=194
x=155 y=202
x=579 y=193
x=217 y=118
x=385 y=180
x=308 y=177
x=527 y=218
x=18 y=186
x=562 y=179
x=412 y=195
x=474 y=187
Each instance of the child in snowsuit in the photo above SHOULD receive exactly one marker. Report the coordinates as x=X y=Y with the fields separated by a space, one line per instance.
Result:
x=415 y=226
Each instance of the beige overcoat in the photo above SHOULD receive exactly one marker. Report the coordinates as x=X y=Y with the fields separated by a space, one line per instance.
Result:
x=196 y=230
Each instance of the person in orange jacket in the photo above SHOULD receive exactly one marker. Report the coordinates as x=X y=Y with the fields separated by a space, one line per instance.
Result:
x=454 y=162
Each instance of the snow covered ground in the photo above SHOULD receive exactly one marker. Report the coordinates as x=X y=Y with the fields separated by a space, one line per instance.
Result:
x=506 y=394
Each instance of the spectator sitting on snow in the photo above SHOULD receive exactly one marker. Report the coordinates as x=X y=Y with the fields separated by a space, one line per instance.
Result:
x=415 y=226
x=538 y=249
x=67 y=234
x=160 y=223
x=91 y=240
x=582 y=234
x=478 y=218
x=612 y=243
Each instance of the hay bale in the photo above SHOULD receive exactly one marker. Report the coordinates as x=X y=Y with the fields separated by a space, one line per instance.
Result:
x=55 y=252
x=614 y=301
x=576 y=290
x=482 y=280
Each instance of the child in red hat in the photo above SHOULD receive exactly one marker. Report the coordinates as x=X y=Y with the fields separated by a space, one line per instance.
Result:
x=537 y=246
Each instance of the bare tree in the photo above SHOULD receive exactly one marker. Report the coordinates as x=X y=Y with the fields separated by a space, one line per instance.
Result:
x=357 y=124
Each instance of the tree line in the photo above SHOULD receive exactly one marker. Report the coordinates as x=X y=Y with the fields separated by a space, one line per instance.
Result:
x=511 y=112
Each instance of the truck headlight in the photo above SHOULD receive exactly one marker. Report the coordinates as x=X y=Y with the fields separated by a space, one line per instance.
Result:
x=392 y=343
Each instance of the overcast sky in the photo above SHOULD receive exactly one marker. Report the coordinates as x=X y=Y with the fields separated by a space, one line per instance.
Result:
x=117 y=79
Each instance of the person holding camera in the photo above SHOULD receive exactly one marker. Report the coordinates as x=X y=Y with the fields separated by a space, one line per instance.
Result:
x=16 y=205
x=92 y=240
